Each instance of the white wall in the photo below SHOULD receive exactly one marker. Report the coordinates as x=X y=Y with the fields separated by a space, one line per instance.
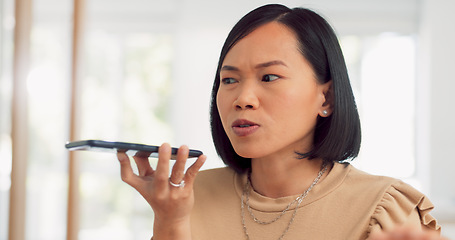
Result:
x=436 y=101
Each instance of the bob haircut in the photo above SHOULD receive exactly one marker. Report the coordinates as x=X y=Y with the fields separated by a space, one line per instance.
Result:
x=337 y=137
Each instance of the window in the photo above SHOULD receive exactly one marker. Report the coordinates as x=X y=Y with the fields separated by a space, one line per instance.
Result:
x=6 y=54
x=125 y=89
x=382 y=71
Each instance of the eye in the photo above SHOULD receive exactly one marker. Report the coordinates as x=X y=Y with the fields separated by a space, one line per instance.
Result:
x=228 y=81
x=269 y=78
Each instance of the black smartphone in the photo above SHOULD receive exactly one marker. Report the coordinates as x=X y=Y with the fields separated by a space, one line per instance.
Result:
x=131 y=149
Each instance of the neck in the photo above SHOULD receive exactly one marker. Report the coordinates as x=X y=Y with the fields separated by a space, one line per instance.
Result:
x=284 y=177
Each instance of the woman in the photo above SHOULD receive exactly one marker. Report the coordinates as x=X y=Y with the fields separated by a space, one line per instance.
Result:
x=284 y=121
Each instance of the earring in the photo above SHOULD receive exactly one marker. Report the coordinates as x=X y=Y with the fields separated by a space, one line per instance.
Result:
x=324 y=112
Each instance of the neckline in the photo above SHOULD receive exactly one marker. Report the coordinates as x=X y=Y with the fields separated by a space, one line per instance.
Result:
x=266 y=204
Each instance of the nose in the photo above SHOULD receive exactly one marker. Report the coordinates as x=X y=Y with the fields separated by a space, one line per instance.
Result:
x=246 y=99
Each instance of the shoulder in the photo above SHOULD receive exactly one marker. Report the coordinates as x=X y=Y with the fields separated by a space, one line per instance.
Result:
x=364 y=178
x=215 y=174
x=393 y=201
x=397 y=203
x=391 y=191
x=402 y=204
x=214 y=179
x=378 y=186
x=214 y=189
x=351 y=181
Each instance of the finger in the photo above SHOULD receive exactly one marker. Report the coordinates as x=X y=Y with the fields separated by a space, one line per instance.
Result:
x=126 y=172
x=405 y=233
x=143 y=165
x=162 y=169
x=179 y=166
x=416 y=233
x=194 y=169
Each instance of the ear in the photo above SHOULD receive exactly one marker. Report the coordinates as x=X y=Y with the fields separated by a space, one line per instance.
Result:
x=327 y=107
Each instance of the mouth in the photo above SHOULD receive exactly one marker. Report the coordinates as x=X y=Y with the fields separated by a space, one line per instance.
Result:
x=242 y=123
x=243 y=127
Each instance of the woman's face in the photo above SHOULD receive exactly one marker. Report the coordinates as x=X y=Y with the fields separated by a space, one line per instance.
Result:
x=269 y=97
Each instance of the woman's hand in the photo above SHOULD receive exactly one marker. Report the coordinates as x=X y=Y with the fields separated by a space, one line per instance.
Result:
x=406 y=233
x=171 y=204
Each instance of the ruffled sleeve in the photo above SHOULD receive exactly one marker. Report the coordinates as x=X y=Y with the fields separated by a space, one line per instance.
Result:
x=402 y=205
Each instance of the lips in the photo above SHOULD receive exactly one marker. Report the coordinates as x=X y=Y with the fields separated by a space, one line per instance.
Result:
x=243 y=127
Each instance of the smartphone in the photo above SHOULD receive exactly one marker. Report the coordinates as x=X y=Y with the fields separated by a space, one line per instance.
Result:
x=131 y=149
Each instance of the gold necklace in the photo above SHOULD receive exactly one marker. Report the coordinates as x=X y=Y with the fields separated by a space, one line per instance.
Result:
x=298 y=200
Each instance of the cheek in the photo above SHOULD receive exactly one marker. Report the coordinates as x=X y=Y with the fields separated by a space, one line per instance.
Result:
x=290 y=98
x=222 y=105
x=297 y=104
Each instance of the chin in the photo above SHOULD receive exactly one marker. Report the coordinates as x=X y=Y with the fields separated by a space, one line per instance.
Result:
x=247 y=152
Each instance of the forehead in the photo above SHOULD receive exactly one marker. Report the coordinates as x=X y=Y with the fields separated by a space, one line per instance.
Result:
x=269 y=41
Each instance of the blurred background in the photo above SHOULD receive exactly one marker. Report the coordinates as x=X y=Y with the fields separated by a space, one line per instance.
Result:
x=142 y=70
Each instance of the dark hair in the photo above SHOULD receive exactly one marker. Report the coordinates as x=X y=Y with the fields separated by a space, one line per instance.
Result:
x=337 y=137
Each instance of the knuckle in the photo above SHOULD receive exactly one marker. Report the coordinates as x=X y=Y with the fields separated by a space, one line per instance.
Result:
x=174 y=197
x=191 y=173
x=127 y=179
x=161 y=179
x=178 y=196
x=160 y=198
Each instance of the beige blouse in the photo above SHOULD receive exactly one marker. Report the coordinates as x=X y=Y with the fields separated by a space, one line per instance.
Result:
x=347 y=204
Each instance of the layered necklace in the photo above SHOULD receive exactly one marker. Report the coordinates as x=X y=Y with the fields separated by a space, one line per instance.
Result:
x=297 y=202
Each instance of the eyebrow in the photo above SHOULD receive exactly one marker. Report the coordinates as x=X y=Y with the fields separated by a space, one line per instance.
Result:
x=260 y=65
